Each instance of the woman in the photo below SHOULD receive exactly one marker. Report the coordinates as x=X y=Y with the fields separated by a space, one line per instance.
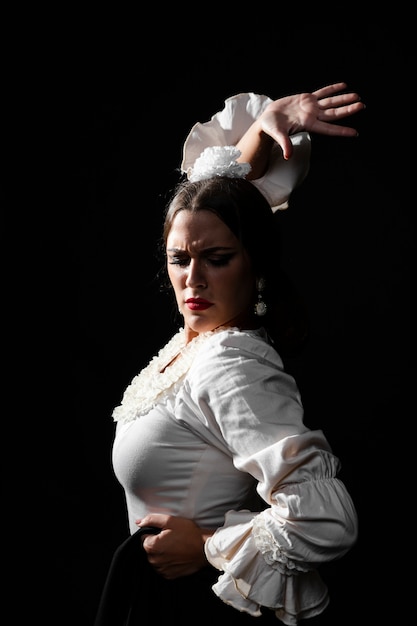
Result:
x=238 y=501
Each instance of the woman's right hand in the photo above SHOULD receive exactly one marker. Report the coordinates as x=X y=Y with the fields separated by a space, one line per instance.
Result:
x=178 y=550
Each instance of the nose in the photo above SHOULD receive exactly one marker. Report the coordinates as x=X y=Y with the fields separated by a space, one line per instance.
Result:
x=196 y=275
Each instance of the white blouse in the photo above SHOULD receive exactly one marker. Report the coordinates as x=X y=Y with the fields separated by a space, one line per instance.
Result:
x=219 y=429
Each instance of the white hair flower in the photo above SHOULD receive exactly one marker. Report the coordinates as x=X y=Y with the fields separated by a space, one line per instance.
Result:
x=218 y=161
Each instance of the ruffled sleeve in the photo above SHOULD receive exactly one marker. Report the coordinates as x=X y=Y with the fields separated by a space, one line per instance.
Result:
x=228 y=126
x=270 y=557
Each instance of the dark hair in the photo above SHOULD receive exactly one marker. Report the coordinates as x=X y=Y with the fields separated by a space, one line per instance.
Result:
x=243 y=208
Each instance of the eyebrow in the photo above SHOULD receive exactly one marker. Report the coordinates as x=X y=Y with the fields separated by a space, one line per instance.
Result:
x=206 y=250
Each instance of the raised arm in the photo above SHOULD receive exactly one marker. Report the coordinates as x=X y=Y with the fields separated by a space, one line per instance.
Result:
x=313 y=112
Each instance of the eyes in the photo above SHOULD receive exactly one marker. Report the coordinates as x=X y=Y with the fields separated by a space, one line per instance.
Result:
x=213 y=260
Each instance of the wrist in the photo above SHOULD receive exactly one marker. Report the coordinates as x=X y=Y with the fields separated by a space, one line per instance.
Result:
x=206 y=533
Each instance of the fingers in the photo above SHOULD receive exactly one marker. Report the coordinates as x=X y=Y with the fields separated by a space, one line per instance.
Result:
x=340 y=112
x=154 y=520
x=333 y=130
x=340 y=101
x=328 y=98
x=329 y=90
x=287 y=147
x=282 y=139
x=149 y=530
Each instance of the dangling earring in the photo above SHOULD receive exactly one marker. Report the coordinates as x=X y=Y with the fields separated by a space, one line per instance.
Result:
x=260 y=306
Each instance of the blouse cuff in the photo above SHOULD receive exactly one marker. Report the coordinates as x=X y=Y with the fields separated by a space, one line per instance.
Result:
x=228 y=126
x=249 y=583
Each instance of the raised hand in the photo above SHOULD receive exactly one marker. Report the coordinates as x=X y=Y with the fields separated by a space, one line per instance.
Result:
x=314 y=112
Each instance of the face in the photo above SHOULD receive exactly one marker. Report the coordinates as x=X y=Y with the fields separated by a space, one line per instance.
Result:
x=210 y=272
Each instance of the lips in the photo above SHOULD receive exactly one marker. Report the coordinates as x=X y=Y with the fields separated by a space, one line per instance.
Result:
x=198 y=304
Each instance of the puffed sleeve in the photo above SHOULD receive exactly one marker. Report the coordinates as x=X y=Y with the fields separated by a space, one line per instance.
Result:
x=270 y=558
x=228 y=126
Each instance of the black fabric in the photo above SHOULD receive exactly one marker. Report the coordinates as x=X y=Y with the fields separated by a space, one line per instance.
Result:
x=124 y=577
x=135 y=595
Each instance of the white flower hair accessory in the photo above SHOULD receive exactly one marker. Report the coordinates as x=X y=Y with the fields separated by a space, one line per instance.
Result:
x=218 y=161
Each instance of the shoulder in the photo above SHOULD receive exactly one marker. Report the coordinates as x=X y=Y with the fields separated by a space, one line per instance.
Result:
x=234 y=366
x=234 y=344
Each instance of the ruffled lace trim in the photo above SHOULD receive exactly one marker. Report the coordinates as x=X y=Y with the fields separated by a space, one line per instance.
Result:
x=156 y=380
x=272 y=551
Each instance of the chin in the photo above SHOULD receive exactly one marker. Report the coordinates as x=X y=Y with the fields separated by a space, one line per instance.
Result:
x=201 y=325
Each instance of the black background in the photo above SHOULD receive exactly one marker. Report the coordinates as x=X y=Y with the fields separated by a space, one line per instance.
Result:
x=107 y=116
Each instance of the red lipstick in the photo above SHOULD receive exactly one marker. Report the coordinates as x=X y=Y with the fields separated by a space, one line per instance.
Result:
x=198 y=304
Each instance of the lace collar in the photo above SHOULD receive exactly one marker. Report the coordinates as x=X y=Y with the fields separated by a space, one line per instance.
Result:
x=154 y=382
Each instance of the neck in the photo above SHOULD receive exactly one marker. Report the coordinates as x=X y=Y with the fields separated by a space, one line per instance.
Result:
x=240 y=321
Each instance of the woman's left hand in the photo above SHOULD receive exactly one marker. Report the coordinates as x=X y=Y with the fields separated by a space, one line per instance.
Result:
x=313 y=112
x=178 y=550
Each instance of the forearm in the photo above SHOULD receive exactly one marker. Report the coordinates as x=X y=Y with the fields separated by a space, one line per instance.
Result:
x=255 y=147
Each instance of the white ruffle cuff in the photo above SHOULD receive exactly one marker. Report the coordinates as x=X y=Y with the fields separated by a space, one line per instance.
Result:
x=247 y=585
x=228 y=126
